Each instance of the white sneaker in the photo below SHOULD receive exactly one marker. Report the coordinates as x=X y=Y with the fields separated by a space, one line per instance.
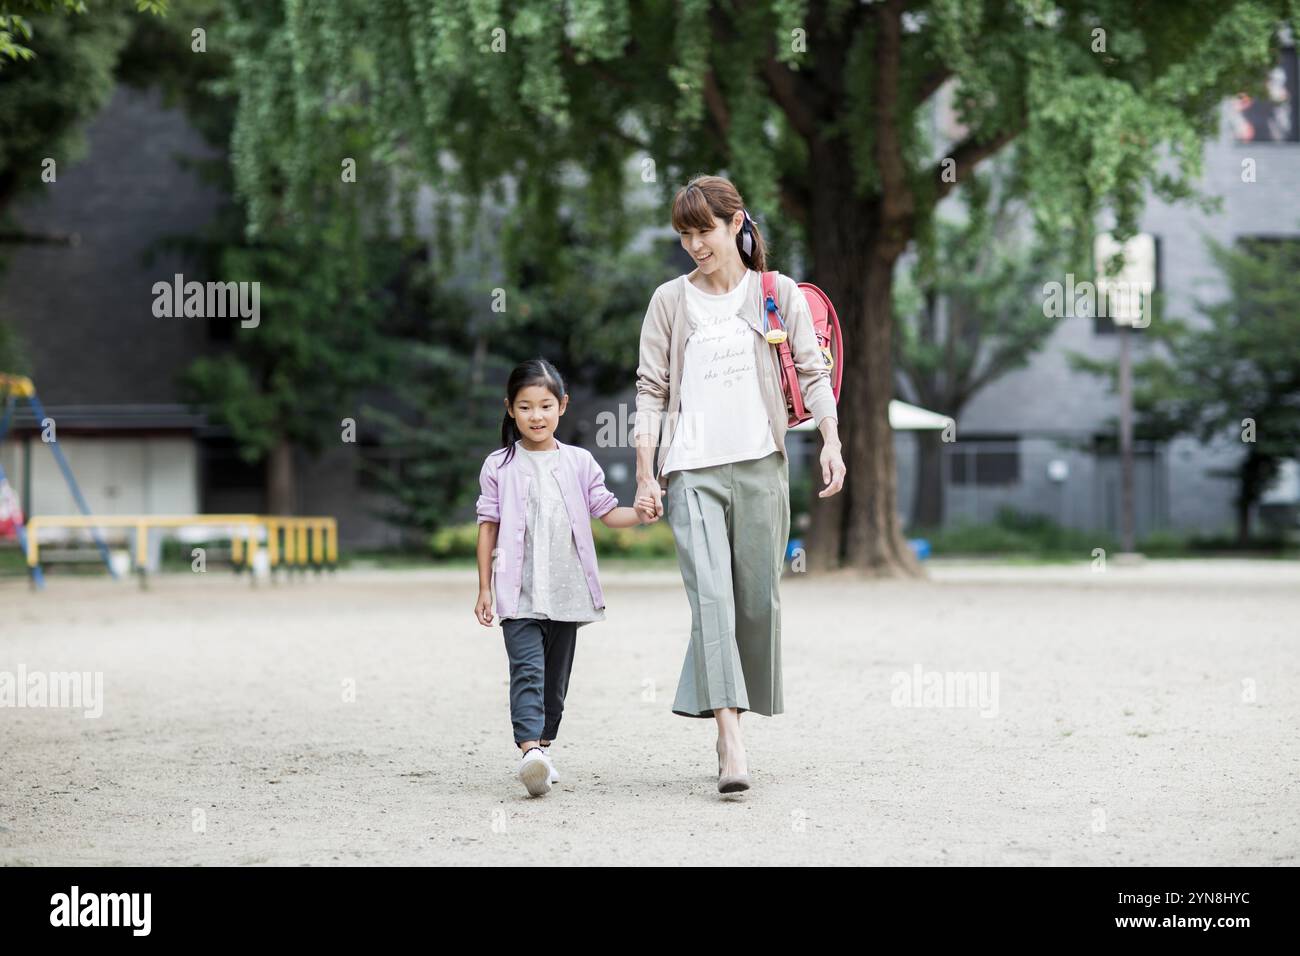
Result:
x=555 y=775
x=535 y=771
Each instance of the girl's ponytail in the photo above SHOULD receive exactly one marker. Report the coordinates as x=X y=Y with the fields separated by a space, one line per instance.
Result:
x=510 y=434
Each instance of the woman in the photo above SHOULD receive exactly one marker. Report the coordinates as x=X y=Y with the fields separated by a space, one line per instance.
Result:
x=723 y=478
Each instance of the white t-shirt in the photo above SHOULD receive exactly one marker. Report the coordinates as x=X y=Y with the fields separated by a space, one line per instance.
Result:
x=723 y=418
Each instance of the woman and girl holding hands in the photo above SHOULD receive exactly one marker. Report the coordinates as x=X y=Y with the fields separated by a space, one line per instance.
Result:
x=709 y=398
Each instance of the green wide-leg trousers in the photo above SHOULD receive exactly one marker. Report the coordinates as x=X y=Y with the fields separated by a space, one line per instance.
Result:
x=731 y=523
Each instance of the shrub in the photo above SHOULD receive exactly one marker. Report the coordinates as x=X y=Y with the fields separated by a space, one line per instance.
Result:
x=644 y=541
x=1018 y=532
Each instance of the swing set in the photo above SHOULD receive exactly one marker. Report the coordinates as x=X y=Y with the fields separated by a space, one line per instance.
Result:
x=257 y=542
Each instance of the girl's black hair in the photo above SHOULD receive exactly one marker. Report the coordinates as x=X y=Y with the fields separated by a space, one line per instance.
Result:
x=535 y=371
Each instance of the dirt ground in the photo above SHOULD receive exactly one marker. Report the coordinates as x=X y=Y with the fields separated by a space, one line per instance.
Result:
x=1145 y=715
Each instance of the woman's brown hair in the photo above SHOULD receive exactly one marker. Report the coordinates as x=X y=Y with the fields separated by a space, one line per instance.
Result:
x=708 y=198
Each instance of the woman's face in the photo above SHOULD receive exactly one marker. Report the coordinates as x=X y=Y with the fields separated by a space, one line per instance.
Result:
x=711 y=249
x=537 y=412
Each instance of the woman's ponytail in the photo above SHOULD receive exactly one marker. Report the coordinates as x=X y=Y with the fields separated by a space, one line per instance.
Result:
x=749 y=242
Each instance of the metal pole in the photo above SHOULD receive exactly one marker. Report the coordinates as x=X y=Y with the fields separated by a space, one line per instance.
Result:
x=1125 y=438
x=72 y=485
x=38 y=578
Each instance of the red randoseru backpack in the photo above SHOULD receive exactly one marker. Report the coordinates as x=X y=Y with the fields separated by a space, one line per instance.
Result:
x=827 y=326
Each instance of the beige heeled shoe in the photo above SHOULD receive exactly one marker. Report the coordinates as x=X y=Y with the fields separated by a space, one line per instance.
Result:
x=731 y=783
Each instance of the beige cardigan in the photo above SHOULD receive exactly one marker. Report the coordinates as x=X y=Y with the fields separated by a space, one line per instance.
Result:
x=663 y=349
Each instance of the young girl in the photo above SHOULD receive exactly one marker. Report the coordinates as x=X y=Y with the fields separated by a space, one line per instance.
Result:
x=538 y=496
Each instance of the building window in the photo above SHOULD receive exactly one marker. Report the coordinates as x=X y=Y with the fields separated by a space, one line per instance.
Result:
x=985 y=460
x=1271 y=112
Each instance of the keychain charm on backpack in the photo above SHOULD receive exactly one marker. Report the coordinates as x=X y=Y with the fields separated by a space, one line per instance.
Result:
x=774 y=336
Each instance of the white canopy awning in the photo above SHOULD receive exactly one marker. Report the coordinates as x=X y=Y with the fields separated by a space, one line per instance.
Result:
x=902 y=417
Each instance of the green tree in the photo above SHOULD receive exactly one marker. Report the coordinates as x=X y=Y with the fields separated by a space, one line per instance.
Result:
x=16 y=22
x=967 y=315
x=330 y=282
x=46 y=102
x=63 y=75
x=1236 y=372
x=576 y=303
x=13 y=352
x=446 y=414
x=292 y=380
x=819 y=112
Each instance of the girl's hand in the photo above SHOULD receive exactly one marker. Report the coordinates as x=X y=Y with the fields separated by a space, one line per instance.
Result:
x=483 y=609
x=645 y=509
x=648 y=488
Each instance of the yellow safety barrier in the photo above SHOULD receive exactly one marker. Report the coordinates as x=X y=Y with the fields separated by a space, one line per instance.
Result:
x=307 y=541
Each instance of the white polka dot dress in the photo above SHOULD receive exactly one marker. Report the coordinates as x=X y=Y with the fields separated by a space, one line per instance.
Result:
x=554 y=586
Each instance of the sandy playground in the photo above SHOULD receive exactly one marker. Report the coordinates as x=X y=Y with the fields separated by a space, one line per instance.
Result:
x=1146 y=715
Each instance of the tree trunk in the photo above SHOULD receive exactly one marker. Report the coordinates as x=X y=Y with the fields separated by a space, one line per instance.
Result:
x=928 y=504
x=873 y=532
x=281 y=487
x=1247 y=496
x=859 y=528
x=1243 y=522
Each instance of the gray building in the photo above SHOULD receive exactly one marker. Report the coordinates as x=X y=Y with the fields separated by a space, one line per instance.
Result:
x=1038 y=440
x=105 y=367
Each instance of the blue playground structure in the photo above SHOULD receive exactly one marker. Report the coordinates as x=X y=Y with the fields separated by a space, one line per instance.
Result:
x=16 y=387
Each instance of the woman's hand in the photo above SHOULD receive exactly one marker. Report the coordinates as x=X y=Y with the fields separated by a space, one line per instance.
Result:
x=483 y=609
x=648 y=490
x=833 y=470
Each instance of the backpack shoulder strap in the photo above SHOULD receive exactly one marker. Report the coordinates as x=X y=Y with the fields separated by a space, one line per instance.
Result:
x=785 y=359
x=771 y=288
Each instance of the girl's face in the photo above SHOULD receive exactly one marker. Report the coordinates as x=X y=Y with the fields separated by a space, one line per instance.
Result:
x=536 y=412
x=717 y=246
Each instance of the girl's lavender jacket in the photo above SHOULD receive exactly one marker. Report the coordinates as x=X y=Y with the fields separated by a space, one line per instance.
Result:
x=503 y=498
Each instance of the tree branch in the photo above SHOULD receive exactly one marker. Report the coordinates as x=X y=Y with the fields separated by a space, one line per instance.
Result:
x=930 y=84
x=792 y=92
x=610 y=79
x=896 y=201
x=968 y=154
x=717 y=105
x=795 y=200
x=22 y=237
x=612 y=129
x=597 y=69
